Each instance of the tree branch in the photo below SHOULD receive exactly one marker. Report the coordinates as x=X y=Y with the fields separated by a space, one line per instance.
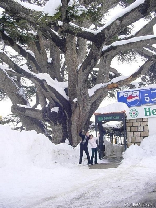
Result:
x=28 y=121
x=49 y=92
x=106 y=33
x=116 y=84
x=133 y=43
x=18 y=11
x=9 y=41
x=147 y=29
x=12 y=90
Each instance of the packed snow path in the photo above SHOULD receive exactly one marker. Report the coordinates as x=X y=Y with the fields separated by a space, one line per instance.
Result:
x=113 y=188
x=81 y=187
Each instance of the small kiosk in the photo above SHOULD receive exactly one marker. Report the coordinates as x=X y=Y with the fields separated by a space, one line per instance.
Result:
x=101 y=119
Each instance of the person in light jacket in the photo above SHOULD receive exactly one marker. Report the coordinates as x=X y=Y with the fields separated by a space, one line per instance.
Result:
x=84 y=146
x=93 y=143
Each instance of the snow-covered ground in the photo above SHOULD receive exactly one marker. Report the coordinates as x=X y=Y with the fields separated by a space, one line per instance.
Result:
x=34 y=173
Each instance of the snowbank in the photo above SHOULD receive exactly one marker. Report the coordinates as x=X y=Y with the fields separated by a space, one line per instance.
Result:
x=143 y=155
x=29 y=148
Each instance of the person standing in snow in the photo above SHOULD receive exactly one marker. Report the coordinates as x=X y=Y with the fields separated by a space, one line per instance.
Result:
x=93 y=143
x=84 y=146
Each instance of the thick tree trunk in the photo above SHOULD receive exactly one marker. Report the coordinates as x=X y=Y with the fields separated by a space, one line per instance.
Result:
x=79 y=121
x=76 y=126
x=72 y=64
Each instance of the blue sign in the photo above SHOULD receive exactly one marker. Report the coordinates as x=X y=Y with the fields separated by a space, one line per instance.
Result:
x=145 y=97
x=131 y=98
x=137 y=97
x=153 y=95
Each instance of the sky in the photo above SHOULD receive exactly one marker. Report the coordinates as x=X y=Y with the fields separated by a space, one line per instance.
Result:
x=35 y=173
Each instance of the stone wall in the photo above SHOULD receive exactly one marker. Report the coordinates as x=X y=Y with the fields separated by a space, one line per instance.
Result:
x=137 y=130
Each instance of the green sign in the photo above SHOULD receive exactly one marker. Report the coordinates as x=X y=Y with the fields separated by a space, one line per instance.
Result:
x=109 y=117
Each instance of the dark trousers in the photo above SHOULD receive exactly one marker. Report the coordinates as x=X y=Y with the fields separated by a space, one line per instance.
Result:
x=101 y=149
x=94 y=153
x=84 y=148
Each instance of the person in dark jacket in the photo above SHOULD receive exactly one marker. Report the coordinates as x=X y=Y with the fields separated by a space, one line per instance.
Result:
x=84 y=146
